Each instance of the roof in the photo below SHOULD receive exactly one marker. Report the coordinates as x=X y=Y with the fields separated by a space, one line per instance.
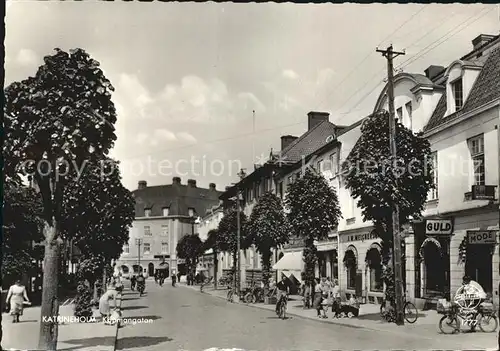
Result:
x=178 y=198
x=486 y=89
x=309 y=142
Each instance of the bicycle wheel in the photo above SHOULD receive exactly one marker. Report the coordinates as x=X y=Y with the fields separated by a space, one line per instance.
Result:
x=382 y=309
x=449 y=325
x=488 y=323
x=283 y=310
x=410 y=312
x=230 y=296
x=249 y=298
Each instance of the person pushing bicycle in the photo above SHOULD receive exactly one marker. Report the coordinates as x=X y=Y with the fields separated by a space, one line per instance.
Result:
x=282 y=288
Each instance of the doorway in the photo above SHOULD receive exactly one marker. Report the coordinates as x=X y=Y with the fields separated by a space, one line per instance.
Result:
x=479 y=265
x=151 y=269
x=435 y=272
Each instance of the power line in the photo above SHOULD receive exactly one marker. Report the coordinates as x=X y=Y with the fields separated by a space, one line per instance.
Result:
x=428 y=48
x=371 y=53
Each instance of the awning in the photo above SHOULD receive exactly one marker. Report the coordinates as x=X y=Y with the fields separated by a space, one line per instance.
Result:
x=291 y=261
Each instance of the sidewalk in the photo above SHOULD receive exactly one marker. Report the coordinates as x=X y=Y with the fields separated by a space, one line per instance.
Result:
x=72 y=336
x=426 y=326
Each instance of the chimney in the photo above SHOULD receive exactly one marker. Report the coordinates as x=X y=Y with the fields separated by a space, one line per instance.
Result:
x=176 y=180
x=481 y=39
x=315 y=118
x=211 y=186
x=433 y=71
x=287 y=140
x=192 y=183
x=142 y=184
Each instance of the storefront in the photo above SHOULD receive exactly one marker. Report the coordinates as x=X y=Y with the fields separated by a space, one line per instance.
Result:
x=361 y=271
x=327 y=259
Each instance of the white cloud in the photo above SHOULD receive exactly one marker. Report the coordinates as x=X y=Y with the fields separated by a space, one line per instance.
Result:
x=141 y=138
x=27 y=57
x=288 y=73
x=187 y=137
x=164 y=134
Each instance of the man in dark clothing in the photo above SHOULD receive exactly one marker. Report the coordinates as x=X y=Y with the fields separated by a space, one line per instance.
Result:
x=282 y=288
x=133 y=280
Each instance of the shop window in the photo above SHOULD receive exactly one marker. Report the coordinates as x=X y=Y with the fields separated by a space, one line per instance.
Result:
x=374 y=262
x=351 y=267
x=479 y=263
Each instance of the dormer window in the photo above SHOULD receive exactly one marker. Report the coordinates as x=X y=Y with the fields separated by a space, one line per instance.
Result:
x=458 y=93
x=191 y=212
x=147 y=212
x=165 y=211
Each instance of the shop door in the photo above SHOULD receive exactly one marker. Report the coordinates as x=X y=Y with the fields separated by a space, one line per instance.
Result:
x=479 y=265
x=436 y=269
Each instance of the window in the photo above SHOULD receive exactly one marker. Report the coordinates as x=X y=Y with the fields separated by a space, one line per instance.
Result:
x=409 y=110
x=333 y=162
x=433 y=194
x=320 y=167
x=280 y=189
x=126 y=248
x=257 y=190
x=374 y=262
x=476 y=147
x=164 y=230
x=266 y=185
x=146 y=248
x=147 y=230
x=250 y=194
x=191 y=212
x=147 y=212
x=164 y=247
x=458 y=91
x=165 y=211
x=350 y=265
x=399 y=112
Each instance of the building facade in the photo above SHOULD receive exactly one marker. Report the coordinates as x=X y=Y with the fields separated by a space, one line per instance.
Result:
x=457 y=109
x=163 y=215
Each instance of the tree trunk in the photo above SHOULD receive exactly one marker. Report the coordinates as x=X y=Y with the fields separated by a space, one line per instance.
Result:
x=104 y=280
x=266 y=269
x=216 y=269
x=50 y=304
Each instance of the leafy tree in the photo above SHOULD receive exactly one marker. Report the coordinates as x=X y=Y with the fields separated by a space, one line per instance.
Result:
x=98 y=221
x=83 y=301
x=313 y=212
x=228 y=234
x=379 y=182
x=268 y=229
x=212 y=243
x=190 y=247
x=21 y=227
x=53 y=122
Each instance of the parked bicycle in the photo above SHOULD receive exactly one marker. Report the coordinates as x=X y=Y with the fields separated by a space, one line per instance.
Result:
x=206 y=282
x=455 y=316
x=410 y=312
x=254 y=294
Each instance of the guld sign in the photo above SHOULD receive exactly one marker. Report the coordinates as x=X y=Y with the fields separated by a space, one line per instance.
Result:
x=438 y=227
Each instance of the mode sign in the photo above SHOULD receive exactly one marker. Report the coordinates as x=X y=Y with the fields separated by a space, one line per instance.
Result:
x=482 y=237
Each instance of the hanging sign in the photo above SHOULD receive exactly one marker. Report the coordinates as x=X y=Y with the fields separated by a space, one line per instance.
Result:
x=482 y=237
x=438 y=226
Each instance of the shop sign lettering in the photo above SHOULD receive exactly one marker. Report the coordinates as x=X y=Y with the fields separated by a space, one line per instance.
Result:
x=438 y=226
x=482 y=237
x=359 y=237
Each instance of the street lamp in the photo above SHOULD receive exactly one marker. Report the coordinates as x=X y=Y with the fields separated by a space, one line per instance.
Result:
x=138 y=242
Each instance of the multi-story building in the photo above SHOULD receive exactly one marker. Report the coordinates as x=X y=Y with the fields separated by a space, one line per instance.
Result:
x=457 y=109
x=210 y=221
x=163 y=215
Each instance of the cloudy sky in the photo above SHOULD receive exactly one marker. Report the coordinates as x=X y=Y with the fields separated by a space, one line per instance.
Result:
x=188 y=76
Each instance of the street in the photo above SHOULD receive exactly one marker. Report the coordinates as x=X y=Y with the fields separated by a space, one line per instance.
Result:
x=185 y=319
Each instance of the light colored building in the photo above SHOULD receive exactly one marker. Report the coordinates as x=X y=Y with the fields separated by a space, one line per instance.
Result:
x=457 y=108
x=163 y=215
x=210 y=221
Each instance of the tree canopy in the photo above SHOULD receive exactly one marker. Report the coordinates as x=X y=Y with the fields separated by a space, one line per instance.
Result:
x=190 y=247
x=228 y=238
x=370 y=173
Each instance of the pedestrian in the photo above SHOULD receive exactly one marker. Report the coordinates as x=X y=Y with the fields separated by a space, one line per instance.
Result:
x=133 y=280
x=336 y=301
x=174 y=278
x=17 y=294
x=104 y=305
x=318 y=299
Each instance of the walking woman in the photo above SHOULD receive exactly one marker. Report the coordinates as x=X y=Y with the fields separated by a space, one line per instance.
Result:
x=318 y=299
x=104 y=306
x=17 y=294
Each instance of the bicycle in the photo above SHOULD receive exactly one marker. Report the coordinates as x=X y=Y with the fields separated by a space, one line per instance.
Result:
x=456 y=316
x=282 y=305
x=207 y=281
x=410 y=312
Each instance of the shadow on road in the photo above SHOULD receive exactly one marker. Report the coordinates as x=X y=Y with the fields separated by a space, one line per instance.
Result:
x=130 y=299
x=129 y=308
x=90 y=342
x=141 y=341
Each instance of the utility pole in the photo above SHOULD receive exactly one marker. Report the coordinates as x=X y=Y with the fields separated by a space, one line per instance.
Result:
x=241 y=174
x=389 y=54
